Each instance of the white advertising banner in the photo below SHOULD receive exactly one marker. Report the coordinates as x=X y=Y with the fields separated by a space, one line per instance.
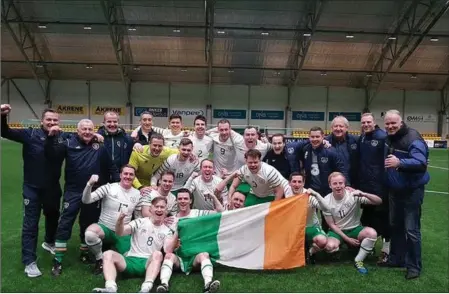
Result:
x=421 y=118
x=188 y=112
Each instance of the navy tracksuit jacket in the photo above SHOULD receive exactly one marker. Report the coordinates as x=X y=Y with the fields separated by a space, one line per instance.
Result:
x=347 y=150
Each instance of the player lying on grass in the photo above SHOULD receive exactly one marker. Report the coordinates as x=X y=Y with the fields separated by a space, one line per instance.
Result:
x=314 y=232
x=148 y=236
x=163 y=190
x=201 y=260
x=115 y=197
x=344 y=216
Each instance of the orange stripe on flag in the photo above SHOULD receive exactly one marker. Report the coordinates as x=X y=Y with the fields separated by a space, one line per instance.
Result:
x=285 y=227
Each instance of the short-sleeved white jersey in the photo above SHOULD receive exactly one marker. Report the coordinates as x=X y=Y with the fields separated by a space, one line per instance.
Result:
x=312 y=217
x=347 y=211
x=225 y=156
x=203 y=147
x=241 y=150
x=146 y=238
x=171 y=140
x=182 y=170
x=201 y=189
x=145 y=200
x=115 y=199
x=263 y=182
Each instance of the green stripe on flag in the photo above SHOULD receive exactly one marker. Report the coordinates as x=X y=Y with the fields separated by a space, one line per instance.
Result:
x=199 y=235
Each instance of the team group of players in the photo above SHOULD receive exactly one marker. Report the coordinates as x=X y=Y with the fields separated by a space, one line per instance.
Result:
x=169 y=174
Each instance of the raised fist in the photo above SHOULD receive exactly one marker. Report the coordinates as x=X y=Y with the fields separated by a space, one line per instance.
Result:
x=6 y=108
x=93 y=179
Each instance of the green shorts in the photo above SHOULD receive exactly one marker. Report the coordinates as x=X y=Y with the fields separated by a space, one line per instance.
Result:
x=135 y=266
x=121 y=244
x=252 y=199
x=313 y=231
x=352 y=233
x=186 y=264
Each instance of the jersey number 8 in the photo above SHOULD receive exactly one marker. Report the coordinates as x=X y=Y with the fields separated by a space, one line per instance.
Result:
x=150 y=241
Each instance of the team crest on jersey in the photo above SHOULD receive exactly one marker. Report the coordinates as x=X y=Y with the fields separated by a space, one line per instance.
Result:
x=66 y=205
x=143 y=231
x=290 y=150
x=118 y=144
x=133 y=199
x=26 y=201
x=43 y=138
x=161 y=236
x=96 y=146
x=324 y=159
x=353 y=146
x=60 y=140
x=374 y=143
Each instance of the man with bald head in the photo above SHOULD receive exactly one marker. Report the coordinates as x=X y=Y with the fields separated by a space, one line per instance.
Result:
x=84 y=156
x=116 y=141
x=406 y=173
x=346 y=147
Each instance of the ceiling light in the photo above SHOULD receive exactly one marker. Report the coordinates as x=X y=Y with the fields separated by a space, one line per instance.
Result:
x=41 y=26
x=136 y=68
x=277 y=73
x=349 y=36
x=183 y=69
x=391 y=38
x=87 y=27
x=413 y=76
x=132 y=29
x=434 y=39
x=230 y=70
x=369 y=75
x=265 y=33
x=39 y=65
x=221 y=32
x=307 y=34
x=323 y=73
x=176 y=31
x=88 y=66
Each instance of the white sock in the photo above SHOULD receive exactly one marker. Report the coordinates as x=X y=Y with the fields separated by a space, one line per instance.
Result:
x=366 y=247
x=207 y=271
x=386 y=247
x=147 y=286
x=111 y=284
x=95 y=244
x=166 y=271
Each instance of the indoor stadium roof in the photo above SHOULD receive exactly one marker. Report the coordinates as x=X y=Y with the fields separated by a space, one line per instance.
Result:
x=373 y=44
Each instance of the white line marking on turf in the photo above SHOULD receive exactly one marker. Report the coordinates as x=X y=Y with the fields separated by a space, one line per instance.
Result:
x=444 y=168
x=436 y=192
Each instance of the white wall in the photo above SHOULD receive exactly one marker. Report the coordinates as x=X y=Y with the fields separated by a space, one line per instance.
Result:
x=238 y=98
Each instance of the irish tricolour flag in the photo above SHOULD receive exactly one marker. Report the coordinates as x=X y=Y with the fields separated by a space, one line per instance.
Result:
x=264 y=236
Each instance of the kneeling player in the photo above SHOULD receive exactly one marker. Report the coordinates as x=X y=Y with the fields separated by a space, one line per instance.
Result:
x=344 y=219
x=314 y=232
x=201 y=260
x=116 y=197
x=148 y=236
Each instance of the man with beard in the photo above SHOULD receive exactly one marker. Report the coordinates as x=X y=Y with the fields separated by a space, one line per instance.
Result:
x=149 y=236
x=371 y=179
x=406 y=169
x=205 y=185
x=202 y=144
x=202 y=260
x=118 y=143
x=143 y=209
x=84 y=157
x=180 y=164
x=345 y=145
x=267 y=184
x=148 y=161
x=343 y=219
x=115 y=198
x=41 y=188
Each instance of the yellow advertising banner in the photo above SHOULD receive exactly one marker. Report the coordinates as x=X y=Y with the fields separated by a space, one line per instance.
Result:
x=71 y=109
x=100 y=110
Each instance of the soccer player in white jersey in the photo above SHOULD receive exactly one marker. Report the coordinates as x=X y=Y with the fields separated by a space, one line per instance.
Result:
x=165 y=185
x=202 y=260
x=250 y=138
x=224 y=154
x=202 y=144
x=343 y=219
x=204 y=185
x=115 y=198
x=180 y=164
x=314 y=233
x=148 y=236
x=267 y=184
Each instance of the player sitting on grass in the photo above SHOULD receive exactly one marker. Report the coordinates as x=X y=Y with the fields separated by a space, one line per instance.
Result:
x=148 y=236
x=343 y=219
x=314 y=232
x=201 y=260
x=163 y=190
x=116 y=197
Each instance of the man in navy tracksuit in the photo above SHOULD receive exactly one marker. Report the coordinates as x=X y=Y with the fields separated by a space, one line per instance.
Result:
x=346 y=147
x=117 y=142
x=406 y=172
x=283 y=156
x=41 y=189
x=371 y=179
x=84 y=156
